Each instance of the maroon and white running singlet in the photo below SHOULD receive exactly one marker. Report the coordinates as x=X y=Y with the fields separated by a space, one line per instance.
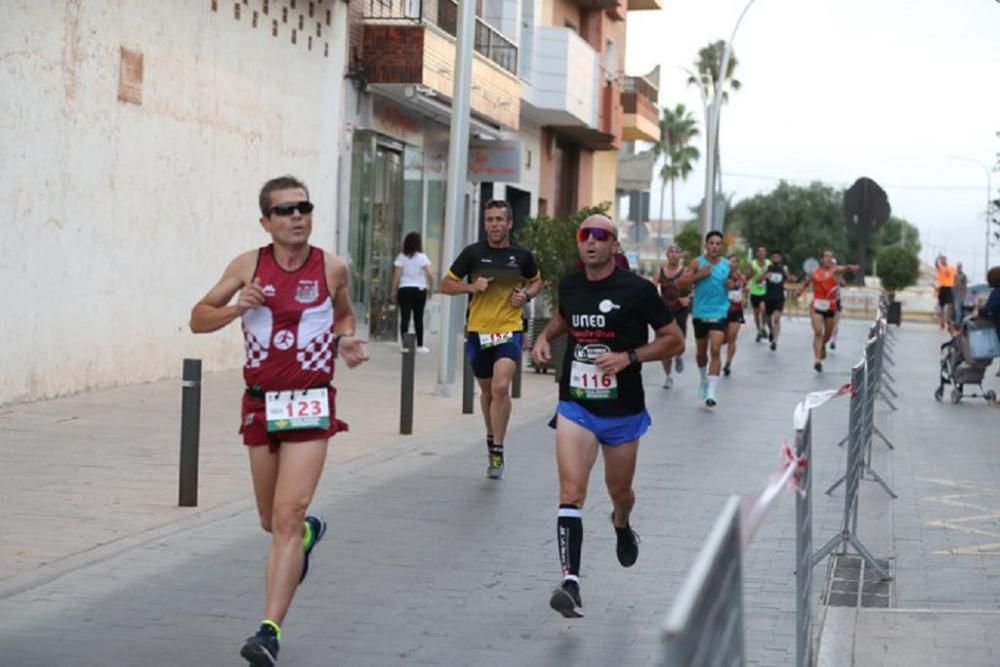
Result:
x=289 y=339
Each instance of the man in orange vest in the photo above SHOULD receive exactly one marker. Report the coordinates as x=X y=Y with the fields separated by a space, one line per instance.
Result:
x=945 y=283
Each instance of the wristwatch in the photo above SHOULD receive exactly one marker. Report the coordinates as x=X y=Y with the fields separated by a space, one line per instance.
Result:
x=633 y=358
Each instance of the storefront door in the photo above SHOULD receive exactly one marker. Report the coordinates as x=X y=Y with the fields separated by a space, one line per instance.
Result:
x=376 y=230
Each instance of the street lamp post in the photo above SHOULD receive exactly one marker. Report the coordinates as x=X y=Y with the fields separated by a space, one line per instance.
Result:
x=989 y=205
x=713 y=109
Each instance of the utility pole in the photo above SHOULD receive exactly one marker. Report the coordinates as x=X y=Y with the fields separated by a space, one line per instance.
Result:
x=458 y=155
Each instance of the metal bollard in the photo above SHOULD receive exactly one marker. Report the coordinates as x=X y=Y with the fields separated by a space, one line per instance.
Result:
x=515 y=385
x=468 y=385
x=190 y=429
x=406 y=384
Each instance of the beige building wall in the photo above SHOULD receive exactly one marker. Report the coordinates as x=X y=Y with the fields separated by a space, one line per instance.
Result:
x=605 y=175
x=119 y=215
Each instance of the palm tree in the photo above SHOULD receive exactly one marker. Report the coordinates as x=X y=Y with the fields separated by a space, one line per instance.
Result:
x=677 y=128
x=706 y=77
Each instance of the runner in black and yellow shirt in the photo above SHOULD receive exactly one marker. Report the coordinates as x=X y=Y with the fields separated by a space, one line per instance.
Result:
x=502 y=277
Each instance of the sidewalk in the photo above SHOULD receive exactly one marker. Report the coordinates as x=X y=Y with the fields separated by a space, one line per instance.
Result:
x=98 y=467
x=428 y=563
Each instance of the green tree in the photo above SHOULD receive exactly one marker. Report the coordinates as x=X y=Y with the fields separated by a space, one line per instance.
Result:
x=898 y=267
x=800 y=221
x=689 y=240
x=552 y=241
x=897 y=231
x=677 y=128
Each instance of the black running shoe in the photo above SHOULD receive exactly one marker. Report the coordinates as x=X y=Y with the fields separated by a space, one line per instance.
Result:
x=818 y=366
x=833 y=345
x=317 y=530
x=774 y=346
x=726 y=370
x=566 y=599
x=261 y=650
x=627 y=548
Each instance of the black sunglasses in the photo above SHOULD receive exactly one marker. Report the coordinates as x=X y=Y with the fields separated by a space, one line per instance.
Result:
x=283 y=210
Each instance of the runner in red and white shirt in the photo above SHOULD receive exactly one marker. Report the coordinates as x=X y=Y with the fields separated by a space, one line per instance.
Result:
x=825 y=282
x=295 y=307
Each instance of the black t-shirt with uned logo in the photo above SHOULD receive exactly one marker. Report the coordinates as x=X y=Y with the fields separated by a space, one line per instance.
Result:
x=609 y=315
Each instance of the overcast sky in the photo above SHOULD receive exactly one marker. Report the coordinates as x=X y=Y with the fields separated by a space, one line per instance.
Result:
x=838 y=89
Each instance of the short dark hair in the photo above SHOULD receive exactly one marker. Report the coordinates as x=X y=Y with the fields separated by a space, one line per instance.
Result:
x=280 y=183
x=500 y=203
x=993 y=277
x=412 y=244
x=712 y=233
x=776 y=251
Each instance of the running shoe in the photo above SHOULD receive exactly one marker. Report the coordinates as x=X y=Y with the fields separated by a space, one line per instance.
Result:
x=710 y=402
x=774 y=346
x=833 y=345
x=261 y=650
x=818 y=366
x=495 y=464
x=679 y=364
x=315 y=532
x=726 y=370
x=668 y=382
x=566 y=599
x=760 y=336
x=627 y=548
x=770 y=336
x=703 y=389
x=423 y=349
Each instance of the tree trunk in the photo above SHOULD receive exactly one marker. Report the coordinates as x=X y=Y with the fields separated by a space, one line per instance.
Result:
x=673 y=207
x=659 y=229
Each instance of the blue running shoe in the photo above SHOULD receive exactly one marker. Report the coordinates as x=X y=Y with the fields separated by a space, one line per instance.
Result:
x=261 y=650
x=317 y=529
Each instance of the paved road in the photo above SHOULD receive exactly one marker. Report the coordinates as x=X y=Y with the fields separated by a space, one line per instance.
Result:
x=429 y=563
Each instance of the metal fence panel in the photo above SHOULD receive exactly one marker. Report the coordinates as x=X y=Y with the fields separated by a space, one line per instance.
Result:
x=803 y=550
x=705 y=623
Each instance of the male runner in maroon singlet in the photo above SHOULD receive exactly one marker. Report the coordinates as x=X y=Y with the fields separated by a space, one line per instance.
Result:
x=296 y=313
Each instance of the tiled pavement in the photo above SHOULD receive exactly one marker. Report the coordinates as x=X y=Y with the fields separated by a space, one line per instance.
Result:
x=428 y=563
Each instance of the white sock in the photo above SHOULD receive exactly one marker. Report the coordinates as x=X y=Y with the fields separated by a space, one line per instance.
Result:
x=712 y=381
x=704 y=371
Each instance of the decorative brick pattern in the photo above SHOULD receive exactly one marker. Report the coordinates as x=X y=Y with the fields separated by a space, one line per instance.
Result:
x=289 y=18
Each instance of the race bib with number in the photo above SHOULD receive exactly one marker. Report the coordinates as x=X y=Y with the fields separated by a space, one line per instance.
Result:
x=589 y=382
x=487 y=340
x=298 y=408
x=821 y=305
x=735 y=295
x=775 y=277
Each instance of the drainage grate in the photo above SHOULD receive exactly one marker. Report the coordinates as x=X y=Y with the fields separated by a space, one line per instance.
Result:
x=852 y=584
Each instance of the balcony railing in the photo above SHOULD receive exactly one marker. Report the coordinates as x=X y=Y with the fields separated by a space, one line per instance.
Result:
x=488 y=41
x=639 y=85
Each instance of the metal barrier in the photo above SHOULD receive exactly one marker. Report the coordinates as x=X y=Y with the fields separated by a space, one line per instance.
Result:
x=705 y=623
x=859 y=433
x=187 y=480
x=803 y=549
x=406 y=384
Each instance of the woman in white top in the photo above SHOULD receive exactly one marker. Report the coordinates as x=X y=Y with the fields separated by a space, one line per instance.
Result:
x=411 y=286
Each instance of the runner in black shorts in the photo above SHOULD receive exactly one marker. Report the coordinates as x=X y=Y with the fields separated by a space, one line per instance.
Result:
x=677 y=302
x=758 y=291
x=502 y=277
x=606 y=313
x=737 y=292
x=774 y=301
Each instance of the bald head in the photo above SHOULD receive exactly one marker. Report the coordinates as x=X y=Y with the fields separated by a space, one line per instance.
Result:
x=600 y=221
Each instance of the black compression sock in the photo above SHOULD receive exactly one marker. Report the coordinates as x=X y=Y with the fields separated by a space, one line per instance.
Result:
x=569 y=529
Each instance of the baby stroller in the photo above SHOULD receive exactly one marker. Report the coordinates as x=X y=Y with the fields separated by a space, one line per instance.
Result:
x=965 y=358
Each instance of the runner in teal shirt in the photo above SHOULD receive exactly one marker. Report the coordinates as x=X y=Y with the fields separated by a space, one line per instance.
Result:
x=709 y=274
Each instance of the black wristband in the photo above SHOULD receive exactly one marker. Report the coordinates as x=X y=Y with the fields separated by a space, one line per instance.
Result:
x=633 y=358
